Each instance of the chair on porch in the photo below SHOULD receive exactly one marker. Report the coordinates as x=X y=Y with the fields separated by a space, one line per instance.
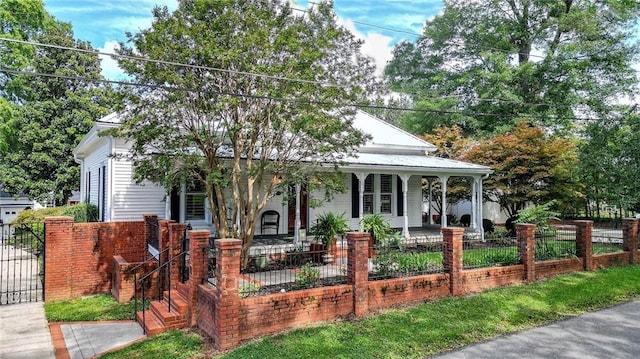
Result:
x=270 y=219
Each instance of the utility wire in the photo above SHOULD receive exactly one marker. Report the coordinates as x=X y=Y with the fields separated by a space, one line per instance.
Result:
x=172 y=63
x=291 y=100
x=279 y=78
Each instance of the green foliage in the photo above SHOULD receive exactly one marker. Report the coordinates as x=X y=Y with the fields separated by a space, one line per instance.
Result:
x=238 y=114
x=44 y=118
x=307 y=277
x=38 y=216
x=377 y=225
x=248 y=288
x=490 y=257
x=82 y=212
x=390 y=262
x=483 y=65
x=328 y=226
x=538 y=214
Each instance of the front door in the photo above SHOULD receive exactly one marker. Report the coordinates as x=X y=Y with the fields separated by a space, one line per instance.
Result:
x=291 y=212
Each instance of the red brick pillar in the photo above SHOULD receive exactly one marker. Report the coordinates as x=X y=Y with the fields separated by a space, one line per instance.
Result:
x=198 y=269
x=452 y=257
x=227 y=294
x=584 y=245
x=176 y=236
x=358 y=270
x=58 y=258
x=163 y=241
x=630 y=238
x=526 y=234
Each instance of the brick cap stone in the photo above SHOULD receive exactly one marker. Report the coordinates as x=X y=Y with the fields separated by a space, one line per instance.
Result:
x=228 y=243
x=200 y=233
x=583 y=222
x=453 y=230
x=357 y=235
x=525 y=225
x=59 y=218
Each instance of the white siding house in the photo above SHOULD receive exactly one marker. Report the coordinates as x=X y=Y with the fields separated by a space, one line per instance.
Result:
x=384 y=176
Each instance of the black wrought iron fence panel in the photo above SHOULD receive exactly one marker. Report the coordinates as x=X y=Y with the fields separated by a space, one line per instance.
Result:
x=21 y=263
x=555 y=243
x=492 y=252
x=606 y=239
x=397 y=257
x=210 y=256
x=286 y=267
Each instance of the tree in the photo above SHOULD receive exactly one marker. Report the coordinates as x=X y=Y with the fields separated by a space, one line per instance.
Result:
x=529 y=166
x=484 y=65
x=610 y=162
x=47 y=116
x=243 y=137
x=450 y=143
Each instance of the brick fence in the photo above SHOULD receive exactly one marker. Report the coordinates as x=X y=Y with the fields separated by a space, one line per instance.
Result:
x=230 y=319
x=85 y=258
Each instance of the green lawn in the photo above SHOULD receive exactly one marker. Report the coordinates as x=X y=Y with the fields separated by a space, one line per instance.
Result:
x=429 y=328
x=97 y=307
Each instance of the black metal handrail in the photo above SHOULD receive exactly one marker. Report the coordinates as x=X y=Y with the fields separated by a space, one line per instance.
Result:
x=152 y=258
x=166 y=271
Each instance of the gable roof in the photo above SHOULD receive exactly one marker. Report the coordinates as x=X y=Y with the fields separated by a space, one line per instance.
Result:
x=387 y=137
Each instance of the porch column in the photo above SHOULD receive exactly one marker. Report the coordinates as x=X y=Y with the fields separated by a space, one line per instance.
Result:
x=183 y=201
x=443 y=215
x=361 y=178
x=430 y=183
x=474 y=203
x=405 y=190
x=480 y=214
x=296 y=228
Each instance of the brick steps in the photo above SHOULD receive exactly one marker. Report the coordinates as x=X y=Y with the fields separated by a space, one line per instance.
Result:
x=163 y=315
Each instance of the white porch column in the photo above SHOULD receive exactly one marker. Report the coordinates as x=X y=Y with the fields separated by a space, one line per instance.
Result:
x=296 y=228
x=405 y=204
x=429 y=212
x=361 y=177
x=443 y=215
x=474 y=204
x=183 y=201
x=480 y=214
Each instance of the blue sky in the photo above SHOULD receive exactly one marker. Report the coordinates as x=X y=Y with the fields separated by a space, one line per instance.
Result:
x=104 y=22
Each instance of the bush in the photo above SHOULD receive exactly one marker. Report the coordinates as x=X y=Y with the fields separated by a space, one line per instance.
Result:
x=82 y=212
x=37 y=216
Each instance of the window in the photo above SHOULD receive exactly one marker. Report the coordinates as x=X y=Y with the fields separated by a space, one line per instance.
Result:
x=194 y=205
x=386 y=193
x=368 y=194
x=378 y=196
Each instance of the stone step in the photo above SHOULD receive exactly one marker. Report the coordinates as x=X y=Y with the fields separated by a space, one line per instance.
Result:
x=169 y=316
x=177 y=301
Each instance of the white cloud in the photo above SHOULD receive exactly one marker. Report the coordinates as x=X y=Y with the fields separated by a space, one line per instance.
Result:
x=376 y=45
x=110 y=68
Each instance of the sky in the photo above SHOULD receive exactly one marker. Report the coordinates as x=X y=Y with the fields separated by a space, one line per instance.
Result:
x=105 y=22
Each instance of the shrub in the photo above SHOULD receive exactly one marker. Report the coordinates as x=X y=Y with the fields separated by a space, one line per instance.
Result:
x=376 y=225
x=328 y=226
x=82 y=212
x=308 y=276
x=37 y=216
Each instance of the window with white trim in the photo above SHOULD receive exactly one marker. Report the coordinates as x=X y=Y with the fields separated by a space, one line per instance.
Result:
x=368 y=194
x=386 y=193
x=194 y=202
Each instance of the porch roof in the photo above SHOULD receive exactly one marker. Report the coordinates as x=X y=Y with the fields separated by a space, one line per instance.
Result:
x=413 y=163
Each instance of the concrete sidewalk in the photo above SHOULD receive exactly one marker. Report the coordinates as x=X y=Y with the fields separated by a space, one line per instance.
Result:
x=24 y=332
x=609 y=333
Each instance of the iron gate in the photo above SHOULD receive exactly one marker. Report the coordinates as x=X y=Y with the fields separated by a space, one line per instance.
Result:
x=21 y=263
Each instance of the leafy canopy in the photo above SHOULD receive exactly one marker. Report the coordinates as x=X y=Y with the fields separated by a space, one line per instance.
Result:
x=483 y=65
x=244 y=137
x=43 y=118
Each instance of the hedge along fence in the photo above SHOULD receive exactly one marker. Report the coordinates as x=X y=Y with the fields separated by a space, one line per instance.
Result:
x=229 y=317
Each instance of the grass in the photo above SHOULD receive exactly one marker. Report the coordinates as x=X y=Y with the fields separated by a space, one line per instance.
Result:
x=98 y=307
x=431 y=327
x=170 y=345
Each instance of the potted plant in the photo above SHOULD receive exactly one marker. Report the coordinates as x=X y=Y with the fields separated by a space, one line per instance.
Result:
x=378 y=227
x=327 y=227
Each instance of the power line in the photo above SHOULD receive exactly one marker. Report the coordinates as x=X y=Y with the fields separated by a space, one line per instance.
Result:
x=279 y=78
x=171 y=63
x=291 y=100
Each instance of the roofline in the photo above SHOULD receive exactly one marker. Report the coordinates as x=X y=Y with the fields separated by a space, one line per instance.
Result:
x=428 y=146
